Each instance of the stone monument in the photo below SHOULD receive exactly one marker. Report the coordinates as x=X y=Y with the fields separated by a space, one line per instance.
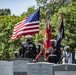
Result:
x=20 y=65
x=40 y=68
x=6 y=68
x=64 y=69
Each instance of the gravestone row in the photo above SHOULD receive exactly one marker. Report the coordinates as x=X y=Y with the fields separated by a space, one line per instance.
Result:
x=24 y=66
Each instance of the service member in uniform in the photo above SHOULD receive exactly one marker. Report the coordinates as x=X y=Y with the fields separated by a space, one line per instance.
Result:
x=0 y=56
x=38 y=48
x=67 y=55
x=28 y=48
x=16 y=54
x=52 y=52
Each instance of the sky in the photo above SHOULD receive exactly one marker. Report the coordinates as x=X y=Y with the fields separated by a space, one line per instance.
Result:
x=17 y=7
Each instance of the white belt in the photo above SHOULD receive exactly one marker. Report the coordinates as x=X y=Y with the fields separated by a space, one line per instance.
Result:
x=52 y=55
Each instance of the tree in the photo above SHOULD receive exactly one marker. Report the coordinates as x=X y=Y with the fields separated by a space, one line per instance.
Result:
x=5 y=12
x=7 y=23
x=69 y=25
x=53 y=5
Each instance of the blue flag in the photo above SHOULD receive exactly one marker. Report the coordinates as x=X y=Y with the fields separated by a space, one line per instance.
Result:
x=60 y=35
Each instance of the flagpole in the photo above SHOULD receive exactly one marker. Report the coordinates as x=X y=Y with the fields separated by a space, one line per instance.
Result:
x=47 y=34
x=61 y=17
x=60 y=30
x=47 y=18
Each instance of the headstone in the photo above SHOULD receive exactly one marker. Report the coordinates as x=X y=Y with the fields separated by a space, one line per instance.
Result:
x=6 y=68
x=40 y=68
x=75 y=55
x=64 y=69
x=20 y=65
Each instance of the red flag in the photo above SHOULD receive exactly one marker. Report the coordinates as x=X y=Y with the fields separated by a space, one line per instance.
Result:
x=47 y=38
x=29 y=25
x=47 y=34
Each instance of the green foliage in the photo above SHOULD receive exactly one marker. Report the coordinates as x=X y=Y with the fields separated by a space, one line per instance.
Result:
x=7 y=46
x=69 y=25
x=53 y=5
x=5 y=12
x=7 y=23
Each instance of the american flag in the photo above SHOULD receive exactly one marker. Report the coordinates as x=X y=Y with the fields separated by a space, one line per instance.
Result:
x=29 y=25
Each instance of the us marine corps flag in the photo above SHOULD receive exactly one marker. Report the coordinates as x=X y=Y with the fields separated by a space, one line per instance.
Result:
x=47 y=34
x=47 y=37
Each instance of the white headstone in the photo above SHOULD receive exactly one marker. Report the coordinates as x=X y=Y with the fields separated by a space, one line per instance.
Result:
x=75 y=55
x=20 y=65
x=40 y=68
x=6 y=68
x=64 y=69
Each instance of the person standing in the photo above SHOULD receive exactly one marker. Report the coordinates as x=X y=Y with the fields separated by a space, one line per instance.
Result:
x=16 y=54
x=0 y=56
x=28 y=48
x=38 y=48
x=67 y=55
x=52 y=51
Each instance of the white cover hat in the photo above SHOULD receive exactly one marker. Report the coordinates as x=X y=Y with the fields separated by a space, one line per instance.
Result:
x=16 y=52
x=53 y=40
x=39 y=44
x=28 y=36
x=66 y=47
